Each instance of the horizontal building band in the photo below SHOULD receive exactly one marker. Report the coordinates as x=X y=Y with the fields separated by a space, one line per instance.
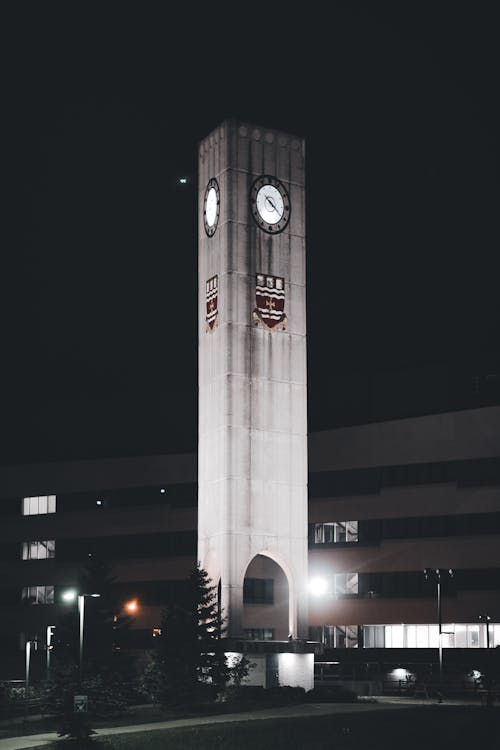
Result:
x=106 y=547
x=465 y=473
x=402 y=635
x=179 y=495
x=372 y=531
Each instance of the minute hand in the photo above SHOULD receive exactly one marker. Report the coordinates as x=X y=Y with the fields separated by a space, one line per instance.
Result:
x=271 y=203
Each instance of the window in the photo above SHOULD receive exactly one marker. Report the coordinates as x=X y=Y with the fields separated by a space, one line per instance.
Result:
x=259 y=634
x=374 y=636
x=38 y=594
x=34 y=506
x=258 y=591
x=346 y=583
x=337 y=636
x=335 y=532
x=38 y=550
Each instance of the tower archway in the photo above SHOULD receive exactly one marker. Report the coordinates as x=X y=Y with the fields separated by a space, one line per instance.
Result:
x=266 y=600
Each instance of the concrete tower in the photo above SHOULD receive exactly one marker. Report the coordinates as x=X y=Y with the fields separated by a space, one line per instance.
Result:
x=252 y=452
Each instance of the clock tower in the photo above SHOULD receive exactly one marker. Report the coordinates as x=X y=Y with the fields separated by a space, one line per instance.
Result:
x=252 y=451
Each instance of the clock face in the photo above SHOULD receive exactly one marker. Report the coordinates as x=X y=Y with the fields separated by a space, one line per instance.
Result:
x=270 y=204
x=211 y=207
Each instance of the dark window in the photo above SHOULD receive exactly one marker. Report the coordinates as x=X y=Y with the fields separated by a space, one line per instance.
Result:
x=467 y=473
x=129 y=546
x=259 y=634
x=172 y=495
x=258 y=591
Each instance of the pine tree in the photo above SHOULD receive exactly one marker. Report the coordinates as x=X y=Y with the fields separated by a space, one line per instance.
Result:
x=212 y=667
x=189 y=664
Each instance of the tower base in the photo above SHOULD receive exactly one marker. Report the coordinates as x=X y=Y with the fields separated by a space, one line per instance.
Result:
x=277 y=663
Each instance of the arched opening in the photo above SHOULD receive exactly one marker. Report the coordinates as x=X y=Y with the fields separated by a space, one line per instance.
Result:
x=265 y=614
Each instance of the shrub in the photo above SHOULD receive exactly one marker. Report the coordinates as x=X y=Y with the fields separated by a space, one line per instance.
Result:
x=332 y=694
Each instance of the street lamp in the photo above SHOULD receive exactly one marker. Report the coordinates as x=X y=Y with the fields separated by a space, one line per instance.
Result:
x=70 y=596
x=29 y=644
x=436 y=573
x=318 y=586
x=132 y=606
x=486 y=619
x=48 y=647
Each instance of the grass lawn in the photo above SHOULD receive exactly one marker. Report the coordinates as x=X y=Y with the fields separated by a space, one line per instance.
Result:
x=136 y=715
x=422 y=728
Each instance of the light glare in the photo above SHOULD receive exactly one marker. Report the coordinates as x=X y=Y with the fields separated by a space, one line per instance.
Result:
x=318 y=586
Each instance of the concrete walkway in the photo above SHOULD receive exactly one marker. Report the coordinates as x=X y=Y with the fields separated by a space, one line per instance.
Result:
x=305 y=709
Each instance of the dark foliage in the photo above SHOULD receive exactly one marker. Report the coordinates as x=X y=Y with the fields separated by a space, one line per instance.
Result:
x=189 y=665
x=106 y=675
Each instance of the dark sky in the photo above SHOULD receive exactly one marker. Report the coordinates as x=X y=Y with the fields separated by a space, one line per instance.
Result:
x=104 y=105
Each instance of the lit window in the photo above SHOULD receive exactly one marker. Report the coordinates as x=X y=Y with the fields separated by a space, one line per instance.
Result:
x=346 y=583
x=38 y=594
x=38 y=550
x=335 y=532
x=339 y=636
x=38 y=504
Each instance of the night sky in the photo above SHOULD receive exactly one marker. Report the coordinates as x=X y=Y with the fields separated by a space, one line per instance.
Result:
x=104 y=105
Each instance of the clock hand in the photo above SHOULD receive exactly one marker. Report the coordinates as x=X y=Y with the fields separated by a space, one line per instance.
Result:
x=270 y=201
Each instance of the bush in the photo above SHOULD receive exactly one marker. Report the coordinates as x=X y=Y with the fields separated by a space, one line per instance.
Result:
x=285 y=694
x=256 y=694
x=331 y=694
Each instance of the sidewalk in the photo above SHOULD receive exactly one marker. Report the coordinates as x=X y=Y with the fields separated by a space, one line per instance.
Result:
x=305 y=709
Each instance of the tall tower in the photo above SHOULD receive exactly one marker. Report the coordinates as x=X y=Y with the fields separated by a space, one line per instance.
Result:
x=252 y=452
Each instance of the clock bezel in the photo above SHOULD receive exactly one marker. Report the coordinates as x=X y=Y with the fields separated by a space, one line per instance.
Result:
x=257 y=185
x=211 y=228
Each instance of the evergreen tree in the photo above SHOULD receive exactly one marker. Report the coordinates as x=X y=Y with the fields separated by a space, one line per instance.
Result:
x=189 y=663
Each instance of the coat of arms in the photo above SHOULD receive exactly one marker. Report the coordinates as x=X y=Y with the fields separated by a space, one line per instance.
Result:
x=211 y=301
x=269 y=312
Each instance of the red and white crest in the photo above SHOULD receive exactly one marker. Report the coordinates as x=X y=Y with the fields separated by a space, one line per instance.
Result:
x=269 y=312
x=211 y=302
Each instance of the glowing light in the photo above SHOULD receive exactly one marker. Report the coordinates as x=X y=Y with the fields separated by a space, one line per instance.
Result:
x=69 y=596
x=98 y=502
x=132 y=606
x=318 y=586
x=163 y=490
x=400 y=673
x=183 y=180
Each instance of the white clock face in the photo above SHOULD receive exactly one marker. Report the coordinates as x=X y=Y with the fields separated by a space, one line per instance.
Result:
x=270 y=204
x=211 y=207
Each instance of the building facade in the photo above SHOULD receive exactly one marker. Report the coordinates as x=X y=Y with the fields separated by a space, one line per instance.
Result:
x=386 y=501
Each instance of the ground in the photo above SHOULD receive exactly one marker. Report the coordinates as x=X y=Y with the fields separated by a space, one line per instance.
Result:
x=377 y=725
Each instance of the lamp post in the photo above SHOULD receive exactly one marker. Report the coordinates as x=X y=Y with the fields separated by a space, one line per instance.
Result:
x=48 y=646
x=436 y=573
x=27 y=667
x=70 y=596
x=28 y=646
x=486 y=619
